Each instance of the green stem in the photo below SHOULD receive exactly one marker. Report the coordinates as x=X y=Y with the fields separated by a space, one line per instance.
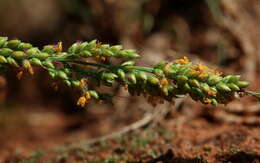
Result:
x=81 y=62
x=257 y=95
x=140 y=68
x=145 y=69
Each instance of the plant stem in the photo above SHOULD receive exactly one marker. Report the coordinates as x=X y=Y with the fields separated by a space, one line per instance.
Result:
x=256 y=94
x=139 y=68
x=81 y=62
x=145 y=69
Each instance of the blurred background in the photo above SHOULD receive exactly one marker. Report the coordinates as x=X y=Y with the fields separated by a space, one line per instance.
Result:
x=33 y=114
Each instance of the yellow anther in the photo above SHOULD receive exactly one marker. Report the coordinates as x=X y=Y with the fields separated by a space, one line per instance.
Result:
x=58 y=48
x=203 y=69
x=207 y=100
x=27 y=66
x=164 y=81
x=88 y=96
x=182 y=61
x=83 y=83
x=19 y=75
x=30 y=70
x=82 y=101
x=212 y=93
x=125 y=87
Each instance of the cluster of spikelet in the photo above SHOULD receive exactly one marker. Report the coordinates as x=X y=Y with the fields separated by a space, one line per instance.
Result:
x=87 y=65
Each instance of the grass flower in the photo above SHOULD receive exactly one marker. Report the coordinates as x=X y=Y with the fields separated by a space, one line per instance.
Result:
x=84 y=64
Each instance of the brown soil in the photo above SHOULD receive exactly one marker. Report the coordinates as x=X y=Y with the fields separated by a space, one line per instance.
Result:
x=199 y=134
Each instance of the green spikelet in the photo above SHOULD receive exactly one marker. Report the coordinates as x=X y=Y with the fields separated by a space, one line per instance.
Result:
x=242 y=84
x=18 y=55
x=132 y=78
x=94 y=94
x=153 y=80
x=121 y=74
x=13 y=44
x=3 y=41
x=2 y=59
x=6 y=52
x=12 y=62
x=36 y=62
x=48 y=49
x=48 y=64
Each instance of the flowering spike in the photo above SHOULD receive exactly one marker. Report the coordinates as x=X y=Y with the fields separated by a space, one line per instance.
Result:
x=84 y=61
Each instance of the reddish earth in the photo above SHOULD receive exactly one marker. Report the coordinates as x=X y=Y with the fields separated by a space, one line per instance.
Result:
x=198 y=133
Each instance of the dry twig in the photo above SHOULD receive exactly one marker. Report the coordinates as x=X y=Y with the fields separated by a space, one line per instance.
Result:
x=148 y=120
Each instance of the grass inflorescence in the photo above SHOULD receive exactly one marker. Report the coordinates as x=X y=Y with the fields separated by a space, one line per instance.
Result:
x=87 y=63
